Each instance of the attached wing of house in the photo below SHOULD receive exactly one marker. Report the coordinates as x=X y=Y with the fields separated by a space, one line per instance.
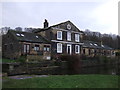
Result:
x=16 y=44
x=91 y=48
x=28 y=37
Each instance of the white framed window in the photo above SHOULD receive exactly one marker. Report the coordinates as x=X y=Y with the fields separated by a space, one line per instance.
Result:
x=59 y=48
x=59 y=35
x=77 y=37
x=69 y=36
x=77 y=49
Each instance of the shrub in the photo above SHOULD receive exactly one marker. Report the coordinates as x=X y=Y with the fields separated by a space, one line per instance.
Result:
x=104 y=59
x=118 y=53
x=22 y=59
x=83 y=57
x=73 y=62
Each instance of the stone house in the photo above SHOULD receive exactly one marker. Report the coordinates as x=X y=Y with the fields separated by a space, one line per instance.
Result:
x=65 y=38
x=50 y=42
x=107 y=51
x=17 y=43
x=91 y=48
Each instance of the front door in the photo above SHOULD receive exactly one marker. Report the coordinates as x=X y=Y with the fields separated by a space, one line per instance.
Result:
x=68 y=48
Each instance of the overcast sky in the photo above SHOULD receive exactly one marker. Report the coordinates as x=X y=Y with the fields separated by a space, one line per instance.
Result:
x=97 y=16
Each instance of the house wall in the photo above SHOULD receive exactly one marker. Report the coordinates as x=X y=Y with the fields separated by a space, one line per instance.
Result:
x=64 y=41
x=85 y=51
x=51 y=35
x=41 y=54
x=11 y=48
x=96 y=51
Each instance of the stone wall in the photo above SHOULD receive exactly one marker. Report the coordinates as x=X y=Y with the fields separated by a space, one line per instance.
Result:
x=60 y=67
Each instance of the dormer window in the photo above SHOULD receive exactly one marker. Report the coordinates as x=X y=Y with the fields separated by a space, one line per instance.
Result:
x=77 y=37
x=102 y=45
x=69 y=36
x=95 y=44
x=22 y=35
x=91 y=44
x=36 y=36
x=18 y=34
x=59 y=35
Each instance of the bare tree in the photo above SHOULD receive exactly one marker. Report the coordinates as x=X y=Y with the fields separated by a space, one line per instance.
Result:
x=18 y=28
x=4 y=30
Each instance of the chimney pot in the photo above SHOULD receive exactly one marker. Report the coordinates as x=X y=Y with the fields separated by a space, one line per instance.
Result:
x=46 y=24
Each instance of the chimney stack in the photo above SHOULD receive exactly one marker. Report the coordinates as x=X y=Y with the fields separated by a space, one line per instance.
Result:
x=46 y=24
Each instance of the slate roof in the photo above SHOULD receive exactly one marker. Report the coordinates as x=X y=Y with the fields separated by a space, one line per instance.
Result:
x=91 y=44
x=106 y=47
x=47 y=28
x=28 y=37
x=95 y=45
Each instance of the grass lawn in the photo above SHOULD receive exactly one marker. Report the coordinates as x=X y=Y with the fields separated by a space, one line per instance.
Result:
x=7 y=60
x=4 y=60
x=64 y=81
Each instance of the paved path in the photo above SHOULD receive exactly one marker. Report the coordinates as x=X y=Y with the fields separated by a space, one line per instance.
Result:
x=26 y=76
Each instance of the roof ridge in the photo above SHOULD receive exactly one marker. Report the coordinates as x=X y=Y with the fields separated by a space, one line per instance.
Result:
x=60 y=23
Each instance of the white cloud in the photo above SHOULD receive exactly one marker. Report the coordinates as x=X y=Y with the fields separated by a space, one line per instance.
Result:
x=107 y=15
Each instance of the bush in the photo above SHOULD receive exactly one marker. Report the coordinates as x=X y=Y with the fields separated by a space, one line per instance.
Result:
x=73 y=62
x=22 y=59
x=118 y=53
x=83 y=57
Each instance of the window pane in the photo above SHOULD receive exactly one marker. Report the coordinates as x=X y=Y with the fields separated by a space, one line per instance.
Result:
x=59 y=48
x=77 y=36
x=24 y=48
x=28 y=48
x=69 y=36
x=48 y=49
x=36 y=48
x=44 y=48
x=59 y=35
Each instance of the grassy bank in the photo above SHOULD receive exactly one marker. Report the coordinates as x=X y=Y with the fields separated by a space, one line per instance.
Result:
x=20 y=59
x=64 y=81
